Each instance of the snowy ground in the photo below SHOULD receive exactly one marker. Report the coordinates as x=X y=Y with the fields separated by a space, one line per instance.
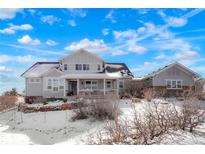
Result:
x=56 y=127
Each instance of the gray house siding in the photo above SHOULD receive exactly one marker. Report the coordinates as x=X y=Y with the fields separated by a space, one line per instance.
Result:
x=82 y=58
x=173 y=73
x=33 y=89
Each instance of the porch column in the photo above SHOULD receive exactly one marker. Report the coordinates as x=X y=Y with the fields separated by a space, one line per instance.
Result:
x=64 y=87
x=104 y=86
x=117 y=86
x=78 y=86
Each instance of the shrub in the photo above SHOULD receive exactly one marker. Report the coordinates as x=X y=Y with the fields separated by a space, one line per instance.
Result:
x=100 y=109
x=7 y=102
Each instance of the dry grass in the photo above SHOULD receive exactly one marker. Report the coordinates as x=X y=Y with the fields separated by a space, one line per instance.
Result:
x=7 y=102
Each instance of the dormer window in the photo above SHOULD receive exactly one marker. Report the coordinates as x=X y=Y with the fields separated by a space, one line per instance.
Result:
x=86 y=67
x=99 y=67
x=78 y=67
x=65 y=67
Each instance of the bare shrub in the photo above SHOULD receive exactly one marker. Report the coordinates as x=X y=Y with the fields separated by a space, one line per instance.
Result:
x=100 y=108
x=7 y=102
x=148 y=94
x=134 y=89
x=191 y=113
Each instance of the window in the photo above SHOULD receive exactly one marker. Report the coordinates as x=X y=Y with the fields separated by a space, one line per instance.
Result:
x=86 y=67
x=49 y=84
x=88 y=84
x=108 y=84
x=174 y=84
x=34 y=80
x=61 y=84
x=65 y=67
x=55 y=84
x=121 y=84
x=94 y=85
x=78 y=67
x=169 y=84
x=91 y=85
x=99 y=67
x=179 y=84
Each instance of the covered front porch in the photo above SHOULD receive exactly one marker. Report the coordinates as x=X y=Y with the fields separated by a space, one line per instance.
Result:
x=93 y=85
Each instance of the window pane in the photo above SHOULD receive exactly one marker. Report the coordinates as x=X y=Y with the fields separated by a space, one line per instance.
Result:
x=121 y=84
x=99 y=68
x=174 y=84
x=179 y=84
x=65 y=67
x=169 y=84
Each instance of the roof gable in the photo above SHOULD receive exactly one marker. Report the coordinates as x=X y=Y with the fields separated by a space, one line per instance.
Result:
x=179 y=66
x=83 y=53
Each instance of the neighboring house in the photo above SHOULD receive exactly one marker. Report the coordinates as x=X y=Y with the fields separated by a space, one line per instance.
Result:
x=172 y=80
x=74 y=75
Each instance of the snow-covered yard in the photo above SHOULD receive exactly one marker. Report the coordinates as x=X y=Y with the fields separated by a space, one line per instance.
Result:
x=56 y=127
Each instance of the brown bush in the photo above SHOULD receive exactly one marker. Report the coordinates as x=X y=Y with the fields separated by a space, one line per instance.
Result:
x=101 y=108
x=156 y=120
x=7 y=102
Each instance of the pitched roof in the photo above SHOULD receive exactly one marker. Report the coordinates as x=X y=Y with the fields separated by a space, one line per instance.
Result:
x=117 y=67
x=195 y=75
x=39 y=68
x=82 y=51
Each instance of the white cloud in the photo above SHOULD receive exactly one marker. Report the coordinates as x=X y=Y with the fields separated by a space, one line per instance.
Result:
x=32 y=11
x=137 y=49
x=28 y=40
x=143 y=11
x=147 y=66
x=4 y=69
x=77 y=12
x=119 y=53
x=173 y=21
x=105 y=31
x=9 y=13
x=161 y=56
x=50 y=19
x=176 y=22
x=72 y=23
x=110 y=16
x=13 y=28
x=128 y=34
x=95 y=46
x=19 y=59
x=51 y=43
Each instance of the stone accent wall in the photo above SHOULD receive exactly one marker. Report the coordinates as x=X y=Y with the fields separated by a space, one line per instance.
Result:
x=162 y=91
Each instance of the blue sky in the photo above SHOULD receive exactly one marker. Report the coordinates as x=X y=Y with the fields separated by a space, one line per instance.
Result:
x=144 y=39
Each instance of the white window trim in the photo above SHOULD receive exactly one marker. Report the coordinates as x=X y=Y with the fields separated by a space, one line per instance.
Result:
x=176 y=83
x=123 y=84
x=87 y=66
x=52 y=84
x=109 y=88
x=92 y=84
x=29 y=80
x=64 y=67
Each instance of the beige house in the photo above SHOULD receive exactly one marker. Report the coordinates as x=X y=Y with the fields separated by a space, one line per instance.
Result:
x=74 y=75
x=172 y=80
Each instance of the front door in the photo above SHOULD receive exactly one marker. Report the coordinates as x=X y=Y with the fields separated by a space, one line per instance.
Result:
x=73 y=87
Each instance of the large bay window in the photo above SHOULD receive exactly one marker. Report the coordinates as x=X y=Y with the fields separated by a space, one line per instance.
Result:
x=174 y=84
x=55 y=84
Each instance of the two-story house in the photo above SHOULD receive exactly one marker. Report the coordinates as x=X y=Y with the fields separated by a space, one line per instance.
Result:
x=74 y=75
